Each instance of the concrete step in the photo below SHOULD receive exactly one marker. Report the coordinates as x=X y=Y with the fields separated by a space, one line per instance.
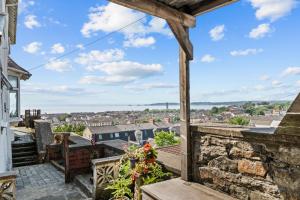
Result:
x=20 y=164
x=25 y=158
x=23 y=153
x=22 y=144
x=83 y=182
x=23 y=148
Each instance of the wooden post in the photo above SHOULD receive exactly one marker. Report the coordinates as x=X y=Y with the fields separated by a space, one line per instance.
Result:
x=66 y=156
x=184 y=76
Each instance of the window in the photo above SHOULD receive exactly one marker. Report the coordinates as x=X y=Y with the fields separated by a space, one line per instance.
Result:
x=111 y=136
x=14 y=96
x=126 y=134
x=117 y=135
x=100 y=137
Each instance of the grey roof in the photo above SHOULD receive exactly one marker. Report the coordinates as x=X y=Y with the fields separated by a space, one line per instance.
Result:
x=127 y=127
x=13 y=66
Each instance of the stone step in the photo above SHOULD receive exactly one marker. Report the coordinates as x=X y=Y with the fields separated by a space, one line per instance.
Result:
x=24 y=148
x=19 y=164
x=24 y=153
x=22 y=144
x=83 y=182
x=25 y=159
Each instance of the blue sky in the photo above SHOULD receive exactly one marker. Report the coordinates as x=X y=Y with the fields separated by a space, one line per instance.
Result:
x=246 y=51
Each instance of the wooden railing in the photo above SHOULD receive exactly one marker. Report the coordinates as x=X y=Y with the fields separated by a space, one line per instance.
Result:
x=8 y=186
x=104 y=171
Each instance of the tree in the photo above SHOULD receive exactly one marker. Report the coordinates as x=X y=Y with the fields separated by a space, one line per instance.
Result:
x=239 y=120
x=165 y=138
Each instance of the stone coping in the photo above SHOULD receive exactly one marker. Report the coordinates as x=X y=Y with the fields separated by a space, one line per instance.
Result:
x=250 y=133
x=102 y=161
x=8 y=175
x=177 y=189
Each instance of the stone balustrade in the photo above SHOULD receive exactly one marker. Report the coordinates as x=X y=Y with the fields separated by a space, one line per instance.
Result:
x=247 y=163
x=104 y=171
x=8 y=186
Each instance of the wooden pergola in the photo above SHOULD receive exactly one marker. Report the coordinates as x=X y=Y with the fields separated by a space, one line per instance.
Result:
x=180 y=15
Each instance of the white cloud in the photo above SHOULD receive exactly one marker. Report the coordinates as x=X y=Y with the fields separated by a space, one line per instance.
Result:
x=276 y=83
x=106 y=80
x=96 y=57
x=31 y=22
x=57 y=48
x=139 y=42
x=122 y=72
x=128 y=68
x=298 y=83
x=264 y=78
x=80 y=46
x=291 y=71
x=217 y=33
x=113 y=17
x=149 y=86
x=24 y=5
x=32 y=47
x=260 y=31
x=246 y=52
x=59 y=65
x=259 y=87
x=207 y=58
x=272 y=9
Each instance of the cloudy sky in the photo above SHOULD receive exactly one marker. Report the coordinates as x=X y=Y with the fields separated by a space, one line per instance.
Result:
x=95 y=52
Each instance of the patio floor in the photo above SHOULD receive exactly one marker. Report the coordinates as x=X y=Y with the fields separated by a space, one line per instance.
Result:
x=44 y=182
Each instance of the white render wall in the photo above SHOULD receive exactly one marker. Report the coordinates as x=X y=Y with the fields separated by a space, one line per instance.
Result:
x=5 y=132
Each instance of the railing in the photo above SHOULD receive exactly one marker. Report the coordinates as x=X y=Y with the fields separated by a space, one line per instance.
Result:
x=104 y=171
x=8 y=186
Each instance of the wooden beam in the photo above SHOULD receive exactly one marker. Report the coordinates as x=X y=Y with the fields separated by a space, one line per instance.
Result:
x=182 y=36
x=209 y=5
x=185 y=134
x=158 y=9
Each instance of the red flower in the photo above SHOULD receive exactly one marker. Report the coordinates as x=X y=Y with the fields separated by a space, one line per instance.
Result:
x=151 y=160
x=146 y=170
x=147 y=148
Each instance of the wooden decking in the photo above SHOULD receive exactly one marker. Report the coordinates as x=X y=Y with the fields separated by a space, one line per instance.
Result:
x=177 y=189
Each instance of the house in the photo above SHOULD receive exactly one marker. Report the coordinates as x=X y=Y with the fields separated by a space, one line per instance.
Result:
x=124 y=132
x=8 y=25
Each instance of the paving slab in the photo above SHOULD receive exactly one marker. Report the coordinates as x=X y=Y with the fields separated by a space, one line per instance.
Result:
x=45 y=182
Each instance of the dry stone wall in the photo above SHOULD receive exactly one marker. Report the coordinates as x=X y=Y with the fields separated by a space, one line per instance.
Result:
x=248 y=165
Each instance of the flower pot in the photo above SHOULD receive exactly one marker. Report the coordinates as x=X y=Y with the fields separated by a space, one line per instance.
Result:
x=132 y=162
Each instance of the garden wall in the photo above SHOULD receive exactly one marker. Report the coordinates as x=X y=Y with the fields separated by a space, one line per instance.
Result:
x=247 y=164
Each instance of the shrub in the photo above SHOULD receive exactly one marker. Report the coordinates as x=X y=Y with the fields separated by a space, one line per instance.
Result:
x=239 y=121
x=165 y=138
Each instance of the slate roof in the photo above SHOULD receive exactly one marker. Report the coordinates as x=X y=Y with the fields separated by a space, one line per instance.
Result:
x=127 y=127
x=13 y=66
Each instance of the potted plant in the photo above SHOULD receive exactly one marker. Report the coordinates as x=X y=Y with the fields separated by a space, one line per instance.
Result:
x=121 y=189
x=131 y=153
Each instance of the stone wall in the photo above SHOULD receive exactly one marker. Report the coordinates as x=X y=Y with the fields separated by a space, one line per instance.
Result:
x=247 y=164
x=43 y=134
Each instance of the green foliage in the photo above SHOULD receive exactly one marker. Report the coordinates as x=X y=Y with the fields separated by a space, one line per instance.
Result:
x=164 y=138
x=78 y=129
x=218 y=110
x=239 y=121
x=63 y=117
x=121 y=188
x=155 y=174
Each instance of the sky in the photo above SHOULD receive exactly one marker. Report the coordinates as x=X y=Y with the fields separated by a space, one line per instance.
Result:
x=98 y=53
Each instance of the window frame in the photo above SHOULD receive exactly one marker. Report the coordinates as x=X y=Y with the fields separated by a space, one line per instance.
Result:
x=14 y=89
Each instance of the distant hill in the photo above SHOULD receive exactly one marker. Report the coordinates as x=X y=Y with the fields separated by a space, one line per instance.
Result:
x=225 y=103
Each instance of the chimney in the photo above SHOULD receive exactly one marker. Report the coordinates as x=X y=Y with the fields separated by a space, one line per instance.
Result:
x=151 y=121
x=167 y=120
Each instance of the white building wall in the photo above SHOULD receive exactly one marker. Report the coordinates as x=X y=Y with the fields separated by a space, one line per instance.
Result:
x=5 y=133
